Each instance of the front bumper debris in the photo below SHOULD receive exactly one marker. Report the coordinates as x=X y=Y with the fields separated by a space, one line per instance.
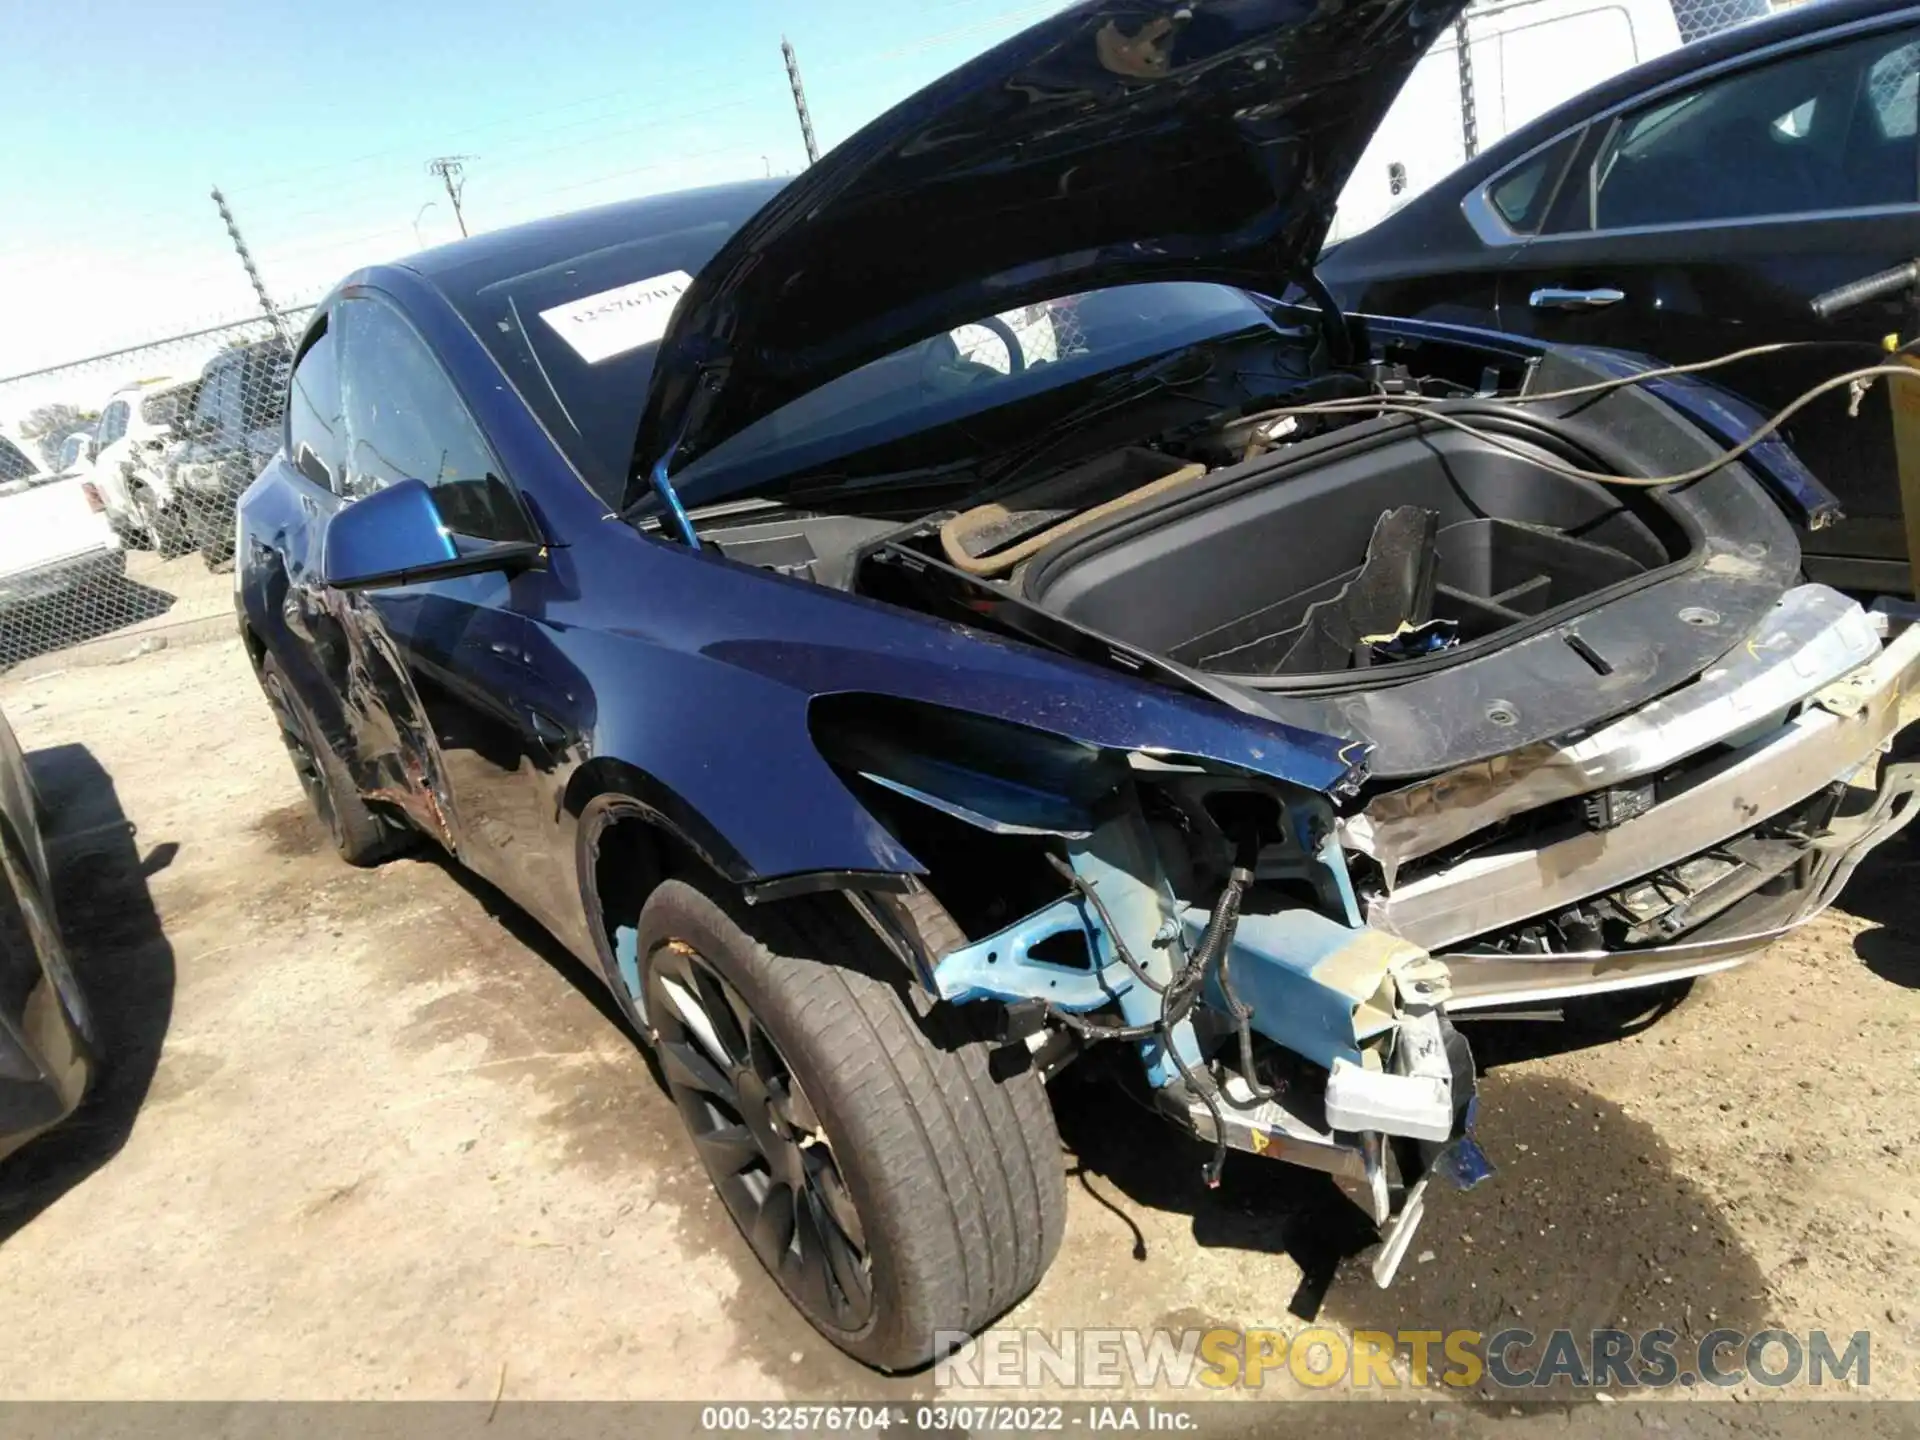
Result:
x=1811 y=701
x=1378 y=1088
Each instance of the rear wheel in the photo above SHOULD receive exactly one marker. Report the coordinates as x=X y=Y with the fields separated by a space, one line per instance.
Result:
x=361 y=837
x=211 y=530
x=889 y=1182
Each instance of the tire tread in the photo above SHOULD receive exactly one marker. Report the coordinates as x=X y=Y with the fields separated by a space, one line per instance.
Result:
x=960 y=1169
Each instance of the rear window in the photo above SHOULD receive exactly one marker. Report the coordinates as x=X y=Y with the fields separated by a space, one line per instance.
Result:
x=14 y=465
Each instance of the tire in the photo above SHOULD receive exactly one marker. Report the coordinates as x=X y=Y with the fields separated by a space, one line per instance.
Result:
x=212 y=539
x=833 y=1113
x=28 y=914
x=360 y=836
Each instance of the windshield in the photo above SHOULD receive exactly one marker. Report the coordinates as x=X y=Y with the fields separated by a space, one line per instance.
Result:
x=586 y=388
x=963 y=372
x=589 y=389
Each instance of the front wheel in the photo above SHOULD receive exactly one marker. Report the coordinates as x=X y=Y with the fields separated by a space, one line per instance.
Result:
x=212 y=531
x=889 y=1182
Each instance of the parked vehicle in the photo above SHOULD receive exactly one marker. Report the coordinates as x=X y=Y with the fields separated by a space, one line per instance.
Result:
x=887 y=724
x=230 y=433
x=55 y=536
x=136 y=427
x=49 y=1051
x=1693 y=207
x=1523 y=58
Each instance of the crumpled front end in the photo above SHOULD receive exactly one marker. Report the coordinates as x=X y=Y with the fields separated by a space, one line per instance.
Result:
x=1671 y=842
x=1202 y=918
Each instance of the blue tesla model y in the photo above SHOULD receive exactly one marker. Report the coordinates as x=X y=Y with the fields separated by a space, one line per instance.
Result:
x=980 y=603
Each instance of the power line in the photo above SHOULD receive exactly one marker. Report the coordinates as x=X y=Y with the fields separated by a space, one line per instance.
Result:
x=452 y=171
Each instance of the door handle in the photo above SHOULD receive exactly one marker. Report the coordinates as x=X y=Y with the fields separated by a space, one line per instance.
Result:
x=544 y=728
x=1551 y=297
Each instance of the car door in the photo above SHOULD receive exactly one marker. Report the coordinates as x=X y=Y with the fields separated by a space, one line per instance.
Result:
x=439 y=675
x=1705 y=217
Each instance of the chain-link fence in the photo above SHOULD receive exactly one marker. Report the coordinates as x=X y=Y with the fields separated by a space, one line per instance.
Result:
x=118 y=485
x=1697 y=18
x=119 y=473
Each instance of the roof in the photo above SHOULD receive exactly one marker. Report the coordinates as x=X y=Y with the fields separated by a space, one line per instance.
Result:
x=462 y=268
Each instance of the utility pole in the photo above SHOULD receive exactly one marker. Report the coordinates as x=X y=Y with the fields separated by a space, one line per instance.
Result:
x=1469 y=121
x=452 y=172
x=253 y=271
x=799 y=98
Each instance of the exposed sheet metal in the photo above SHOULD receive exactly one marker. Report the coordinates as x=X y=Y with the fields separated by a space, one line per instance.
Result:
x=1813 y=637
x=1119 y=862
x=1316 y=986
x=1503 y=886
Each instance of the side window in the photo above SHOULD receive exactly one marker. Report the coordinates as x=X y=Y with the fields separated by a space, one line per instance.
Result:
x=316 y=437
x=405 y=421
x=113 y=423
x=1521 y=196
x=1830 y=129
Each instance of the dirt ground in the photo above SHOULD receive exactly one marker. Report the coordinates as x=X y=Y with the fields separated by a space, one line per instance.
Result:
x=371 y=1134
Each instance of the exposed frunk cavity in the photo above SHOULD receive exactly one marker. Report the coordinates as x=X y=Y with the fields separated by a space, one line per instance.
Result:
x=1374 y=546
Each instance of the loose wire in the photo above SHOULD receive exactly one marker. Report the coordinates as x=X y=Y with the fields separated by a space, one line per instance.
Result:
x=1429 y=411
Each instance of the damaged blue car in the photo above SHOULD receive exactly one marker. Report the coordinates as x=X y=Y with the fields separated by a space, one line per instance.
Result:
x=981 y=601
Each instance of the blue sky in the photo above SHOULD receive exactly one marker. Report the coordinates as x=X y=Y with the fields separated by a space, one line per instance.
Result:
x=317 y=121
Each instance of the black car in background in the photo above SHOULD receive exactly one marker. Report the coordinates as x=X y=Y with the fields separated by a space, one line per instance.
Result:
x=1694 y=206
x=231 y=433
x=48 y=1052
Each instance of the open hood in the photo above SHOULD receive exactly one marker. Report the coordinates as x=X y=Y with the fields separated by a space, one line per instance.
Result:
x=1117 y=141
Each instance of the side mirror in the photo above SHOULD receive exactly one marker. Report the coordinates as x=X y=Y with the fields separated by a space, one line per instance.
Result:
x=395 y=536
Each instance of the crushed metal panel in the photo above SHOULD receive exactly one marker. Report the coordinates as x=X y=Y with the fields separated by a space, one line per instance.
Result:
x=1316 y=986
x=1813 y=637
x=1502 y=887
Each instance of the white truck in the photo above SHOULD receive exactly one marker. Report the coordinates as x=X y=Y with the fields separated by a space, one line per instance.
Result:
x=55 y=541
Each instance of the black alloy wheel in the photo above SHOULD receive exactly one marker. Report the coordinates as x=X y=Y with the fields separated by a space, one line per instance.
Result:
x=306 y=763
x=360 y=836
x=761 y=1140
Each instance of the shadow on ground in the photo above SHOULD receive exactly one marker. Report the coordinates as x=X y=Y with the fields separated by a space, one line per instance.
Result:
x=32 y=628
x=122 y=961
x=612 y=1118
x=1885 y=891
x=1588 y=1223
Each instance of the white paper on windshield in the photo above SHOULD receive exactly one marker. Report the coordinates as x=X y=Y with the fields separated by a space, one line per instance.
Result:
x=613 y=322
